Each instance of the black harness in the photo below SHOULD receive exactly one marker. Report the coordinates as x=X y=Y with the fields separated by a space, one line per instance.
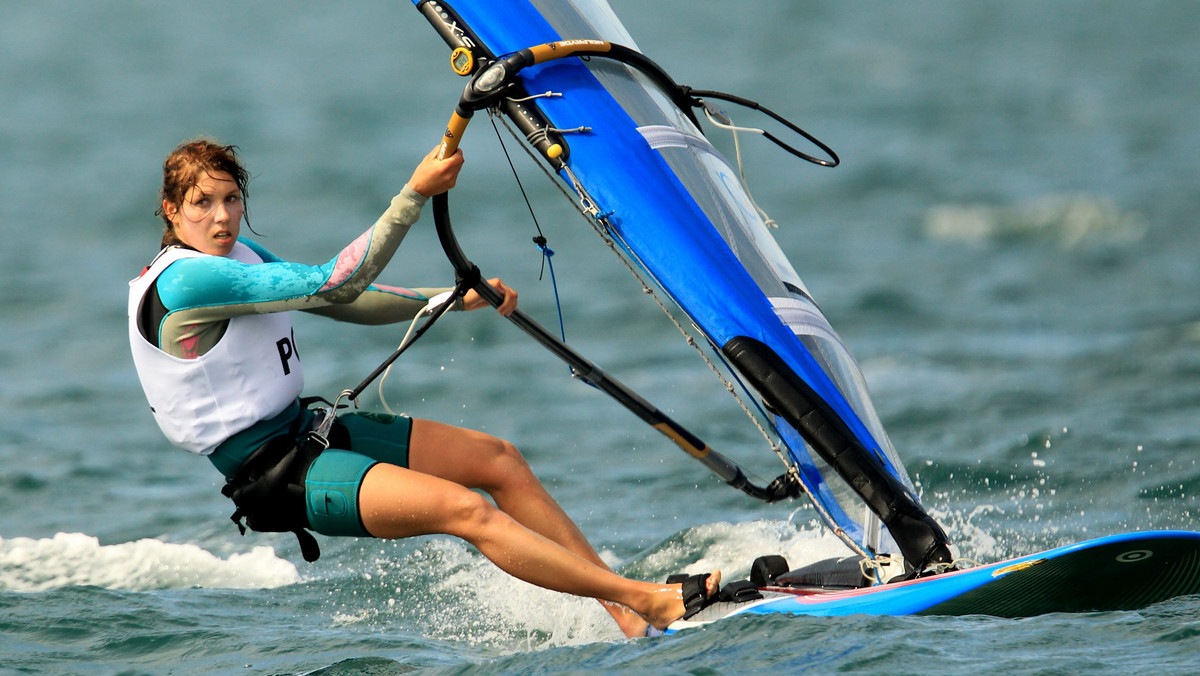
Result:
x=268 y=489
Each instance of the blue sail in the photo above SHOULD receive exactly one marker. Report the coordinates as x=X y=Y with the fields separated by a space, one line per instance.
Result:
x=676 y=209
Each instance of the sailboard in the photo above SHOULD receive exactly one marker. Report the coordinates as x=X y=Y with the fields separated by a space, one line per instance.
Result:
x=1118 y=572
x=627 y=144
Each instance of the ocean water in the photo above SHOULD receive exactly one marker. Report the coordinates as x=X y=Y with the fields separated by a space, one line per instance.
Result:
x=1009 y=248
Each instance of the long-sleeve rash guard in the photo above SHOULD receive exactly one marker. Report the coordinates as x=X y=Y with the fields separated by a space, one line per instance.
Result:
x=198 y=296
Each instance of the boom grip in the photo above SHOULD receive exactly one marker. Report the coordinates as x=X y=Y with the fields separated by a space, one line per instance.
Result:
x=454 y=132
x=564 y=48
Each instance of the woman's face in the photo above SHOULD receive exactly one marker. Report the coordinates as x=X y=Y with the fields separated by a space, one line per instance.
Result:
x=211 y=214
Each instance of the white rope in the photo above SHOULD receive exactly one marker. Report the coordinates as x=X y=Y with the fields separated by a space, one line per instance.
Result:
x=543 y=95
x=429 y=308
x=877 y=568
x=956 y=564
x=737 y=151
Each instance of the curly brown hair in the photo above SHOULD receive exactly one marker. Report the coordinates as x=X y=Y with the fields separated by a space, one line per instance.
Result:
x=185 y=165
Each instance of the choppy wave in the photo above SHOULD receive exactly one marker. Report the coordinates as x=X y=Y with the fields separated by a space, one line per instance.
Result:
x=1068 y=220
x=76 y=559
x=455 y=593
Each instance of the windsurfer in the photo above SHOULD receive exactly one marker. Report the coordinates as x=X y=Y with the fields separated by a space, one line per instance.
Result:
x=214 y=348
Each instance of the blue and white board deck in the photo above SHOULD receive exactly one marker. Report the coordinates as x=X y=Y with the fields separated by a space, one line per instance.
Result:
x=1118 y=572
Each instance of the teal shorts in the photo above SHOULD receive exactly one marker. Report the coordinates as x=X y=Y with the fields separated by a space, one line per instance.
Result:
x=334 y=478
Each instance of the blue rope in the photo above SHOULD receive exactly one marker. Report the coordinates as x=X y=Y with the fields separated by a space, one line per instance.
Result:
x=539 y=240
x=548 y=262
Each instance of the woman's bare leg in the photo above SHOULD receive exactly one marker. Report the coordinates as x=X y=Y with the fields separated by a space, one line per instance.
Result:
x=395 y=502
x=478 y=460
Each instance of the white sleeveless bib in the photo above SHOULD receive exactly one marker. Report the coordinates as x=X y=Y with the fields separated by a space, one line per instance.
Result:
x=253 y=373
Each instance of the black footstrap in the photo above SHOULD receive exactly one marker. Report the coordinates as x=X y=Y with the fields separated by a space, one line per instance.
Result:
x=695 y=595
x=739 y=592
x=695 y=588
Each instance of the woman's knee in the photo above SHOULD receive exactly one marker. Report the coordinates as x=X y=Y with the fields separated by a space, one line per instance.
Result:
x=500 y=464
x=469 y=457
x=468 y=513
x=505 y=455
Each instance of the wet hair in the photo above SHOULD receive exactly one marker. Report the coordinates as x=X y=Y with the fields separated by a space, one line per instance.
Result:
x=184 y=167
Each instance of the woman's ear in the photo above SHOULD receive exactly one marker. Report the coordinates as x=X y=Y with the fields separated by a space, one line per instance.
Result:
x=169 y=211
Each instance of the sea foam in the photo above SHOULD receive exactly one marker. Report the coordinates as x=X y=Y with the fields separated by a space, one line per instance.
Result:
x=1069 y=219
x=76 y=559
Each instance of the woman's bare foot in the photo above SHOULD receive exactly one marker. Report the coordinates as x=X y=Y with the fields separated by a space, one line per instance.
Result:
x=667 y=604
x=630 y=623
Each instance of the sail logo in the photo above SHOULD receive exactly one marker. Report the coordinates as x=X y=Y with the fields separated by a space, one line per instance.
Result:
x=569 y=44
x=451 y=23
